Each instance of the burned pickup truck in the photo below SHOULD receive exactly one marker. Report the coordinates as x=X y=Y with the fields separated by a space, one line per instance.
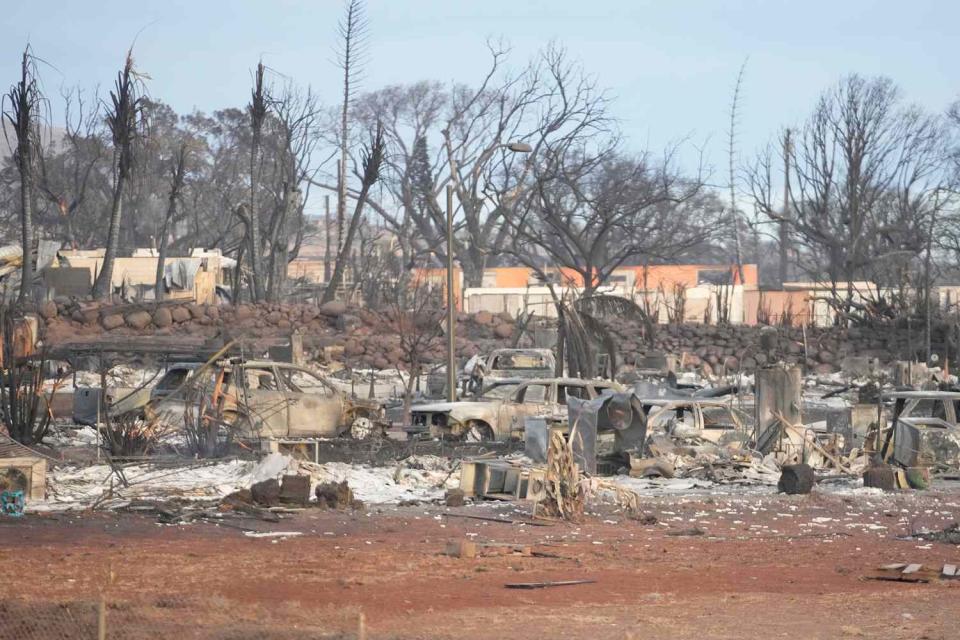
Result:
x=264 y=399
x=498 y=413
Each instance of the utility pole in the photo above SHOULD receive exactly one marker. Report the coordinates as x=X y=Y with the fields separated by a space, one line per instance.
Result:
x=326 y=235
x=785 y=215
x=451 y=311
x=927 y=282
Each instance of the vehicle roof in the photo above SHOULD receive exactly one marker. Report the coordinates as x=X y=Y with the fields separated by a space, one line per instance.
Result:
x=922 y=395
x=270 y=363
x=570 y=381
x=499 y=382
x=923 y=422
x=683 y=402
x=516 y=350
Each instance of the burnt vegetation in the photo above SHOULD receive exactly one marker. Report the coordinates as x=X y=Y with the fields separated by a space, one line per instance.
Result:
x=860 y=195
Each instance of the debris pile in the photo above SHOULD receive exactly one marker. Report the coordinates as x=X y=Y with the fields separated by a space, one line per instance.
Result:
x=102 y=486
x=697 y=458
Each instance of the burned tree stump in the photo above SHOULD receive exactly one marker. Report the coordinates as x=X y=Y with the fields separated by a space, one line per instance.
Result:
x=266 y=493
x=295 y=489
x=796 y=479
x=336 y=495
x=881 y=477
x=455 y=498
x=778 y=400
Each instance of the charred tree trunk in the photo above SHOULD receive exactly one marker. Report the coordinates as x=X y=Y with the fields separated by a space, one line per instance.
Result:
x=258 y=113
x=104 y=283
x=124 y=120
x=24 y=100
x=176 y=186
x=373 y=159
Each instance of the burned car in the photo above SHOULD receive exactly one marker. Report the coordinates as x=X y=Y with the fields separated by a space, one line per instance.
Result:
x=710 y=419
x=264 y=399
x=507 y=364
x=923 y=431
x=499 y=411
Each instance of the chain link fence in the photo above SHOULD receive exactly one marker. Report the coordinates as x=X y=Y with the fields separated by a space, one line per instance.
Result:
x=167 y=617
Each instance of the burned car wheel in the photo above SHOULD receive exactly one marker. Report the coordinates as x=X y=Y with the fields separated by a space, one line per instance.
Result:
x=362 y=428
x=477 y=431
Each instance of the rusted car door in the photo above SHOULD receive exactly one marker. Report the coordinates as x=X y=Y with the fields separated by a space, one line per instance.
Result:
x=315 y=407
x=265 y=401
x=531 y=399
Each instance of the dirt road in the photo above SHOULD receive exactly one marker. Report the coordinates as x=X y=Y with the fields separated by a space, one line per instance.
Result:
x=710 y=567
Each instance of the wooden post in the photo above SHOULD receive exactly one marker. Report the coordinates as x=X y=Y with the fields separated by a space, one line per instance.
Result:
x=296 y=348
x=102 y=618
x=362 y=627
x=777 y=394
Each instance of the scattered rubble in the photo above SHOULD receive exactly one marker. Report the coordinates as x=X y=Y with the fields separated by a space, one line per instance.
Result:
x=947 y=535
x=102 y=487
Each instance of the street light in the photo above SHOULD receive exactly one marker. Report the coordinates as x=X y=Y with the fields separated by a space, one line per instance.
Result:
x=515 y=147
x=519 y=147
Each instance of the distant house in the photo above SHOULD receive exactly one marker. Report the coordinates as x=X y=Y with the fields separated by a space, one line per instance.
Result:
x=516 y=289
x=193 y=278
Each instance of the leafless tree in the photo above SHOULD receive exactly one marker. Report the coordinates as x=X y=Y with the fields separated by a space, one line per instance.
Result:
x=415 y=318
x=296 y=161
x=126 y=123
x=68 y=177
x=591 y=213
x=864 y=174
x=551 y=106
x=409 y=115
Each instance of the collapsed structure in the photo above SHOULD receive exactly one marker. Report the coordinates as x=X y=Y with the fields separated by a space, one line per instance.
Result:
x=685 y=406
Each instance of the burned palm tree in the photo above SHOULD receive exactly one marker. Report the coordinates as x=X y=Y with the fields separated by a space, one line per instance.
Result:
x=126 y=121
x=22 y=109
x=258 y=109
x=581 y=331
x=372 y=161
x=178 y=171
x=353 y=34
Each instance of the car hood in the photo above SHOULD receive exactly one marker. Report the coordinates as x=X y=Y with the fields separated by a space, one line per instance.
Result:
x=448 y=407
x=526 y=374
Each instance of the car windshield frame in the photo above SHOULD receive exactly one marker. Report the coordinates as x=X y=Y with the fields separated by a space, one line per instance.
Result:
x=508 y=389
x=286 y=374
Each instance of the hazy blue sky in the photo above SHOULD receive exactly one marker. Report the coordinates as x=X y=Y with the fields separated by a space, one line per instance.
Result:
x=670 y=65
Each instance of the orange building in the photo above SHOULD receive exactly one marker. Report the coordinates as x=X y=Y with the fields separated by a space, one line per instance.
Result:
x=628 y=279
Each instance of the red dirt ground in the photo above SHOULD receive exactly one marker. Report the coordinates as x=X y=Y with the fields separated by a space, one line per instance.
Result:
x=766 y=567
